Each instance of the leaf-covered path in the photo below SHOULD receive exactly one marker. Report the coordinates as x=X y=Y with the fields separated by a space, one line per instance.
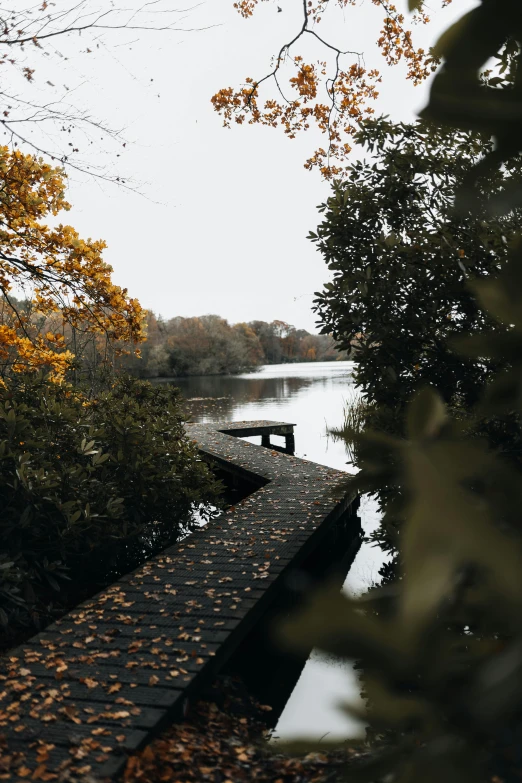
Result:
x=105 y=678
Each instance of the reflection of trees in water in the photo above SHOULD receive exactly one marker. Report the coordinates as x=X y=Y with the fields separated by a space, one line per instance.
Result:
x=217 y=397
x=210 y=409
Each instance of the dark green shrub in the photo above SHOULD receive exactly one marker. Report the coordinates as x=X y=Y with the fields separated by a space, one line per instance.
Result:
x=88 y=486
x=402 y=258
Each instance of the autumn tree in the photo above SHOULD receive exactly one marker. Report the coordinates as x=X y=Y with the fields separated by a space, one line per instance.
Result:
x=251 y=342
x=62 y=275
x=269 y=341
x=74 y=314
x=209 y=345
x=335 y=92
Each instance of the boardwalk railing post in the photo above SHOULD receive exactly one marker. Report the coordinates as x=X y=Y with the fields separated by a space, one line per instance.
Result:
x=265 y=441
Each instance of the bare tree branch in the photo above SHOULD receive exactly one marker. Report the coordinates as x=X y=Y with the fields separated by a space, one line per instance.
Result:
x=28 y=121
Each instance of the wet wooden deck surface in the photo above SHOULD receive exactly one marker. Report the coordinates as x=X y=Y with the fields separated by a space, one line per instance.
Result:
x=105 y=678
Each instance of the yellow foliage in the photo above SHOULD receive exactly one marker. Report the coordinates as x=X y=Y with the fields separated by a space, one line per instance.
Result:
x=64 y=273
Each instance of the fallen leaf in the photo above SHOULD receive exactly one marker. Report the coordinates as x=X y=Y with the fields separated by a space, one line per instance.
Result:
x=71 y=711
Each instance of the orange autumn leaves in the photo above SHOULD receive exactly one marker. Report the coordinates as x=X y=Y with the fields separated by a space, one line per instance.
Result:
x=331 y=96
x=65 y=277
x=353 y=87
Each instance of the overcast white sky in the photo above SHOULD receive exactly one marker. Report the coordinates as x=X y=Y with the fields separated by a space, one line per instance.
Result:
x=221 y=226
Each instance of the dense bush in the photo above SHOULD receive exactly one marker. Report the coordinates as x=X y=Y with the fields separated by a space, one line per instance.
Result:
x=87 y=486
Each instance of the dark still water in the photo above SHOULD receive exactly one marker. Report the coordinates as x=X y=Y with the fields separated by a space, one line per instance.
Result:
x=312 y=396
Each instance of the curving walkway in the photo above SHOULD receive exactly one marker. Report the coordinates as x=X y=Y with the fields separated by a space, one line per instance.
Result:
x=106 y=677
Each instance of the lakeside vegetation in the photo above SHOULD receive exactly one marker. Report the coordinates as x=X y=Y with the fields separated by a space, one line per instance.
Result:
x=210 y=345
x=169 y=348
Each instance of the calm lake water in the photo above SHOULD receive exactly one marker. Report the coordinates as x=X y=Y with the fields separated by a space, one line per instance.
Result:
x=312 y=396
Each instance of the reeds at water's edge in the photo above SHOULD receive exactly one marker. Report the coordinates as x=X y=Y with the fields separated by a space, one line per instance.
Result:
x=355 y=411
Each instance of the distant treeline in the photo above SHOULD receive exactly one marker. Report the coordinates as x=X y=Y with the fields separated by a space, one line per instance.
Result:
x=209 y=345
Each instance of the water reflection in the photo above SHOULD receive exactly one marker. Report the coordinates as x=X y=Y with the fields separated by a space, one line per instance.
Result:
x=312 y=396
x=243 y=388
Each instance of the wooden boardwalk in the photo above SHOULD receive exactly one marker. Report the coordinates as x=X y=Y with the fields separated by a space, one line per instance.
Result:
x=104 y=679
